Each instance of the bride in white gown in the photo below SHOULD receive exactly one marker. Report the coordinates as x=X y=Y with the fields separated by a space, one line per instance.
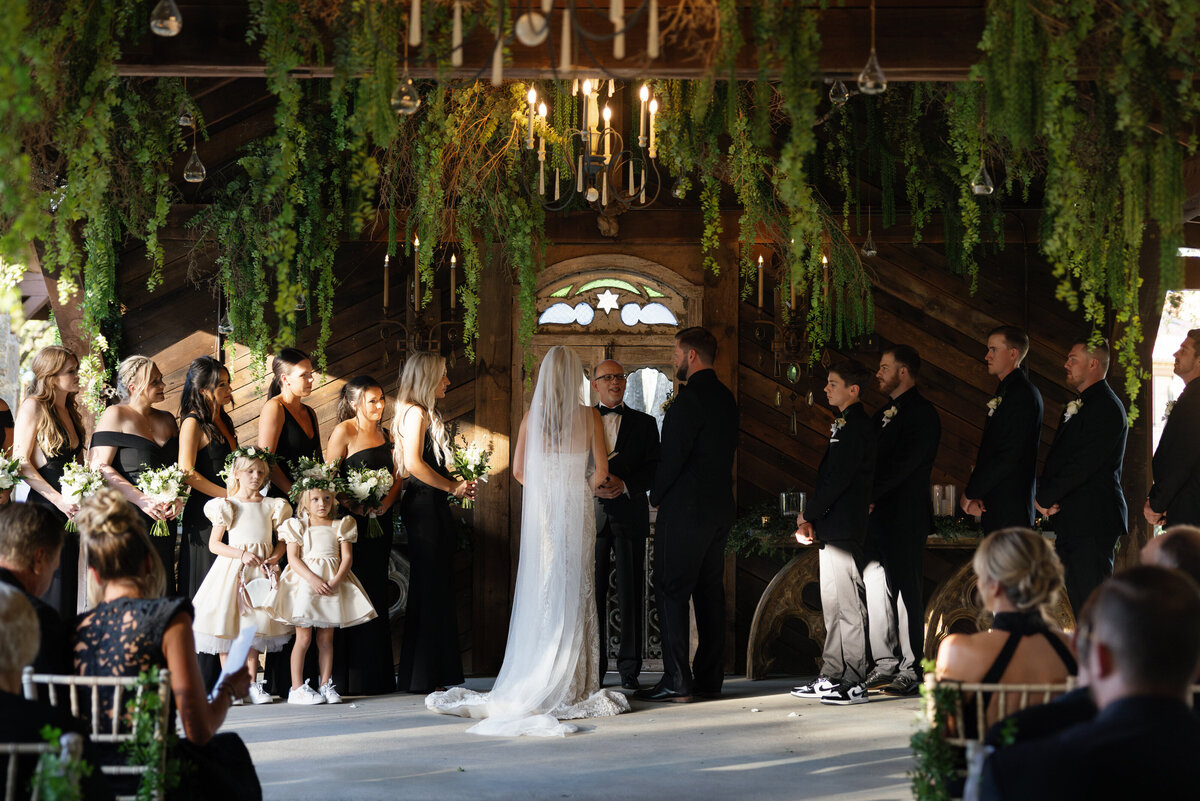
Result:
x=551 y=662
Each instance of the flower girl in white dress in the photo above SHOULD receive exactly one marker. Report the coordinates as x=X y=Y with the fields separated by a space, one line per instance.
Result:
x=317 y=590
x=223 y=605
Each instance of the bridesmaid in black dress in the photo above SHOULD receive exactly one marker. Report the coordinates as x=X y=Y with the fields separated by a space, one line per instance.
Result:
x=7 y=426
x=429 y=657
x=360 y=440
x=288 y=428
x=48 y=434
x=206 y=438
x=132 y=437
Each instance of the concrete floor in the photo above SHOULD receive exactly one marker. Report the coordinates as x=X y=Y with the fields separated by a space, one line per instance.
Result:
x=755 y=742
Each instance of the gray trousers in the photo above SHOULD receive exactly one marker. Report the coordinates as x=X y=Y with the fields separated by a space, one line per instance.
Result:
x=842 y=591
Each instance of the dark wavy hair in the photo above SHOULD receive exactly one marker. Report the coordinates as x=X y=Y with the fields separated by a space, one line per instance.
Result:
x=283 y=361
x=351 y=394
x=204 y=373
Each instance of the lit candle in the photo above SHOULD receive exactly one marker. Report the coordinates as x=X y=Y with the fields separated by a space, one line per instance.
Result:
x=604 y=133
x=386 y=280
x=642 y=117
x=575 y=88
x=542 y=152
x=456 y=58
x=532 y=96
x=453 y=270
x=760 y=281
x=587 y=93
x=653 y=111
x=416 y=272
x=542 y=110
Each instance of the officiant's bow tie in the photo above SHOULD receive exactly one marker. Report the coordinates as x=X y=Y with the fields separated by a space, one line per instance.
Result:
x=614 y=410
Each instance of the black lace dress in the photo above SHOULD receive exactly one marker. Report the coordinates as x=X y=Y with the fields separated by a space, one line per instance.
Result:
x=365 y=652
x=136 y=454
x=63 y=594
x=429 y=657
x=124 y=637
x=293 y=443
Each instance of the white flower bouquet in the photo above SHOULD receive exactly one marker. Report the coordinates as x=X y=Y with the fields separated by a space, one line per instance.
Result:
x=163 y=485
x=79 y=482
x=471 y=463
x=308 y=467
x=368 y=487
x=10 y=473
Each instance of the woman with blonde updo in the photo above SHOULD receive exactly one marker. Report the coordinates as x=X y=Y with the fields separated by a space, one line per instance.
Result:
x=1020 y=579
x=132 y=437
x=49 y=434
x=133 y=629
x=429 y=657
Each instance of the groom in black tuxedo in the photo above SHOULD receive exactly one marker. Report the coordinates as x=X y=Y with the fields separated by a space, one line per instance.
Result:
x=1080 y=489
x=1001 y=485
x=694 y=494
x=623 y=516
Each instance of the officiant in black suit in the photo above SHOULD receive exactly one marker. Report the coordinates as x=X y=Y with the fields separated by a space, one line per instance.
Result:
x=1001 y=485
x=623 y=516
x=1175 y=495
x=693 y=490
x=1080 y=488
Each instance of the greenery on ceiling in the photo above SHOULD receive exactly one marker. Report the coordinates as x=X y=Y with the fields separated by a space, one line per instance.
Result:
x=90 y=159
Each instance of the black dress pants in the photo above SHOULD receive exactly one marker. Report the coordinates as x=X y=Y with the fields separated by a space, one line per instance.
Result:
x=689 y=565
x=628 y=554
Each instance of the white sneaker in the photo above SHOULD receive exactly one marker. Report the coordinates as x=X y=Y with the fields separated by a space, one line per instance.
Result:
x=847 y=694
x=329 y=693
x=304 y=695
x=820 y=688
x=258 y=695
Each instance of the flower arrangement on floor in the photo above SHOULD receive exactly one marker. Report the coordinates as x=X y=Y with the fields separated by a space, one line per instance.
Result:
x=368 y=487
x=163 y=485
x=471 y=463
x=79 y=482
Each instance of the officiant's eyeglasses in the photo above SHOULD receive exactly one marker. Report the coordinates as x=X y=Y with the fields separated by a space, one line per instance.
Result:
x=611 y=377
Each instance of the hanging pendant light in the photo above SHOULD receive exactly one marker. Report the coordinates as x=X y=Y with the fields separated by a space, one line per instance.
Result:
x=406 y=99
x=872 y=81
x=165 y=19
x=679 y=190
x=868 y=249
x=224 y=326
x=838 y=93
x=194 y=171
x=982 y=184
x=186 y=118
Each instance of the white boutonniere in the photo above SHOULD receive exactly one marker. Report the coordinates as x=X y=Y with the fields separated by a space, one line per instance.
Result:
x=888 y=414
x=994 y=404
x=666 y=404
x=1170 y=407
x=1072 y=409
x=837 y=426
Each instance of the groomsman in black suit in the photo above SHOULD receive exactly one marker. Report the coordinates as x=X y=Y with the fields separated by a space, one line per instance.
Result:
x=836 y=514
x=1080 y=489
x=1001 y=485
x=1175 y=495
x=693 y=491
x=623 y=516
x=908 y=432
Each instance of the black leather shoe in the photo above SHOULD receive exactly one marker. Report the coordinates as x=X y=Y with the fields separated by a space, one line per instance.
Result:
x=663 y=694
x=706 y=693
x=631 y=683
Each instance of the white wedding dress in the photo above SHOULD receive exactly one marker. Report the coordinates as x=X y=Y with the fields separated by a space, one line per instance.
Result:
x=551 y=662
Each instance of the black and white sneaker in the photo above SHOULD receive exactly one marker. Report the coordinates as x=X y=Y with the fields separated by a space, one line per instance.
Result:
x=846 y=694
x=820 y=688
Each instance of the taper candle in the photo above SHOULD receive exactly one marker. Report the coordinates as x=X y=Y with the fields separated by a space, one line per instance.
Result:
x=456 y=56
x=760 y=281
x=453 y=277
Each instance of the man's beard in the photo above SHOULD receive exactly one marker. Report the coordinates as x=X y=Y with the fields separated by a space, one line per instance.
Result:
x=888 y=387
x=681 y=372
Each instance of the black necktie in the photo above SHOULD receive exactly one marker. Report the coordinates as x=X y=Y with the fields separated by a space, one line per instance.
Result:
x=614 y=410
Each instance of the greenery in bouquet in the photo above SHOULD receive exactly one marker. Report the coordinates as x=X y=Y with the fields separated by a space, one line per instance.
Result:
x=163 y=485
x=368 y=487
x=10 y=473
x=471 y=462
x=79 y=482
x=308 y=467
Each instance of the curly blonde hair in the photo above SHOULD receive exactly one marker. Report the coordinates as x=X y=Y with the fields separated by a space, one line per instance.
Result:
x=1023 y=563
x=117 y=545
x=133 y=372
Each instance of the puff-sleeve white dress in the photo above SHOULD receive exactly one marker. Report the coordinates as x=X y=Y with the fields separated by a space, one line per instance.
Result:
x=248 y=526
x=321 y=552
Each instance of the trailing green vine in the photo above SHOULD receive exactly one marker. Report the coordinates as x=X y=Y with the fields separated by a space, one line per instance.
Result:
x=157 y=754
x=56 y=778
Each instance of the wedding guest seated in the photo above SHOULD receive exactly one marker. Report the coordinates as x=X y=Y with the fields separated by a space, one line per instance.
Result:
x=1020 y=580
x=1140 y=640
x=31 y=542
x=1178 y=547
x=21 y=721
x=134 y=629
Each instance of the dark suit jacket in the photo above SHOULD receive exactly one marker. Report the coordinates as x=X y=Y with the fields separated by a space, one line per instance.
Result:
x=1083 y=469
x=1176 y=489
x=54 y=652
x=21 y=721
x=693 y=486
x=905 y=449
x=1140 y=747
x=634 y=462
x=838 y=506
x=1006 y=466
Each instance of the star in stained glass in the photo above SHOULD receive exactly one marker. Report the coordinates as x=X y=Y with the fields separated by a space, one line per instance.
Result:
x=606 y=301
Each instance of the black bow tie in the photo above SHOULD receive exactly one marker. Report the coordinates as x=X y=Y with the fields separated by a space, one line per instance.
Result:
x=614 y=410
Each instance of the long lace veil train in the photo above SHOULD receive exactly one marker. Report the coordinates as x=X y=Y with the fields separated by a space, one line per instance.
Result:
x=550 y=670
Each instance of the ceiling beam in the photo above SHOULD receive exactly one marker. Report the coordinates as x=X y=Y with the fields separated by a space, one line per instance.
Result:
x=915 y=42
